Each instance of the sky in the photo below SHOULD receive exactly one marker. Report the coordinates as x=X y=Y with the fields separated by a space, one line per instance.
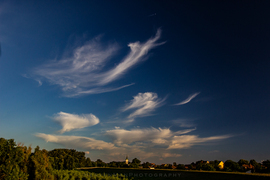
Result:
x=162 y=81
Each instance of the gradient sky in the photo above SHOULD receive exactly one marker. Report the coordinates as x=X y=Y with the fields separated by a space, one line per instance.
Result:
x=163 y=81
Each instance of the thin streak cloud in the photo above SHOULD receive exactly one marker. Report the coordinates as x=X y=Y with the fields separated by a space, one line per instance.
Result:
x=82 y=73
x=76 y=141
x=188 y=99
x=186 y=141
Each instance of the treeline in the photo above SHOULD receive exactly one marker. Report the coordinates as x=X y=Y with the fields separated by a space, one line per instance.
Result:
x=229 y=166
x=19 y=162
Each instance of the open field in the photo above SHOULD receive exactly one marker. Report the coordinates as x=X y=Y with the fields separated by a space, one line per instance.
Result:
x=144 y=174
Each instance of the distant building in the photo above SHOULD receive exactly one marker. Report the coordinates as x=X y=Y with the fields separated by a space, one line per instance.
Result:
x=126 y=159
x=221 y=165
x=247 y=166
x=152 y=166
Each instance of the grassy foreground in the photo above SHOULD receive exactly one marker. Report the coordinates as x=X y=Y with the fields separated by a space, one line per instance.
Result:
x=146 y=174
x=84 y=175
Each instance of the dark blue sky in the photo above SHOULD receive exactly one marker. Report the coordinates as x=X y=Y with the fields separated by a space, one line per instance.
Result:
x=161 y=81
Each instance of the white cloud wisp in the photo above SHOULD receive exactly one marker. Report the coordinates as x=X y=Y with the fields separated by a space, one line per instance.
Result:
x=188 y=99
x=186 y=141
x=123 y=136
x=145 y=103
x=73 y=121
x=145 y=143
x=80 y=142
x=81 y=73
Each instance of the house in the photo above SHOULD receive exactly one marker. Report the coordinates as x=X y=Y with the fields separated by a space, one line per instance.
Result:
x=221 y=165
x=164 y=166
x=190 y=166
x=204 y=162
x=247 y=166
x=152 y=166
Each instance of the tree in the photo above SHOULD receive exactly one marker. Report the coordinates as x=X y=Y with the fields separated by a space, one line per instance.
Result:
x=215 y=164
x=112 y=164
x=67 y=159
x=267 y=165
x=256 y=165
x=208 y=167
x=88 y=162
x=12 y=161
x=146 y=165
x=180 y=166
x=136 y=161
x=231 y=166
x=242 y=161
x=40 y=165
x=100 y=163
x=253 y=162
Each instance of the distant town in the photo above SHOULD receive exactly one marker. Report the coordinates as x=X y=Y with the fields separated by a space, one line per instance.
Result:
x=229 y=165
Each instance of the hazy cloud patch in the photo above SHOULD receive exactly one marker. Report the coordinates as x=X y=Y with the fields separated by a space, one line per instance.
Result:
x=184 y=123
x=166 y=155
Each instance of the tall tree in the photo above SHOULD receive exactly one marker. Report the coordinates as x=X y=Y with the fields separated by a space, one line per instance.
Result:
x=11 y=161
x=242 y=162
x=42 y=169
x=88 y=162
x=136 y=161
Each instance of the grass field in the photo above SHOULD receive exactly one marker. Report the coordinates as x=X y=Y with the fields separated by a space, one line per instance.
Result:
x=144 y=174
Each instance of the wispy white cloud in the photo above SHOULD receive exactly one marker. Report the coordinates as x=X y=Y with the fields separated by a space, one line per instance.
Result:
x=145 y=103
x=123 y=136
x=140 y=143
x=186 y=141
x=82 y=72
x=73 y=121
x=79 y=142
x=105 y=149
x=137 y=53
x=188 y=99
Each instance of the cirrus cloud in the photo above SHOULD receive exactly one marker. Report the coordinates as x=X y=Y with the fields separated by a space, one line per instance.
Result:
x=82 y=73
x=192 y=96
x=186 y=141
x=73 y=121
x=142 y=143
x=80 y=142
x=145 y=103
